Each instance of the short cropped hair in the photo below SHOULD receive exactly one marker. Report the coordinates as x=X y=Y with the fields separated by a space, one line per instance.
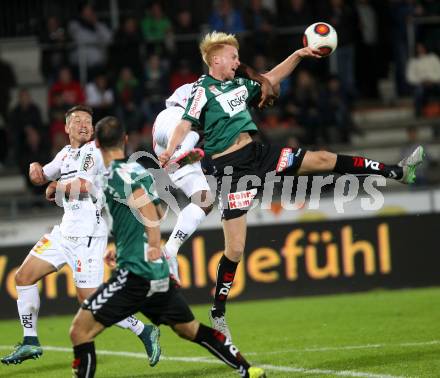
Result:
x=212 y=42
x=110 y=133
x=79 y=108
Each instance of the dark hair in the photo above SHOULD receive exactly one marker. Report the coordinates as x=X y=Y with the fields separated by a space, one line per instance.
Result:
x=110 y=133
x=79 y=108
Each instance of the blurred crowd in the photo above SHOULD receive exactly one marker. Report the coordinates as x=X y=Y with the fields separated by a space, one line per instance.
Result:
x=128 y=72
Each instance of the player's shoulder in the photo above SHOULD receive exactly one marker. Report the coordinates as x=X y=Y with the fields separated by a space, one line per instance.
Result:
x=201 y=82
x=245 y=81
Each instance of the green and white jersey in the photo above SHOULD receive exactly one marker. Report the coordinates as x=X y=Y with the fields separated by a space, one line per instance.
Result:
x=221 y=109
x=128 y=230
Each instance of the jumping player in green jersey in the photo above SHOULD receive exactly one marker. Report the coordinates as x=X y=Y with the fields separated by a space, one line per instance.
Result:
x=141 y=280
x=219 y=105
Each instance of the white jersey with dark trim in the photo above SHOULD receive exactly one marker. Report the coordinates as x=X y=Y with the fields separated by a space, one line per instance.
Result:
x=82 y=212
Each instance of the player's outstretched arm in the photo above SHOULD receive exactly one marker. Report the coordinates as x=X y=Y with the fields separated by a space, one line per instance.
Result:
x=179 y=134
x=286 y=67
x=268 y=95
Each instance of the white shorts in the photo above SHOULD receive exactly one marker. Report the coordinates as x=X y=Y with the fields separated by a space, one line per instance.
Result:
x=84 y=255
x=191 y=182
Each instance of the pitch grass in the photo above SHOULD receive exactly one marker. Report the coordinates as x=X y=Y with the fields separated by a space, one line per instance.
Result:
x=379 y=333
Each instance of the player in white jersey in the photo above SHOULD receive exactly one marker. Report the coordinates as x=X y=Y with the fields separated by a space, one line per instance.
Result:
x=79 y=241
x=187 y=174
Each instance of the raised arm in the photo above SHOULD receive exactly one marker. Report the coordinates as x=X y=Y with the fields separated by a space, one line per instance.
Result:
x=286 y=67
x=268 y=95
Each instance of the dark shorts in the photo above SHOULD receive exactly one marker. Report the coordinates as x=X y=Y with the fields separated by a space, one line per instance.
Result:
x=252 y=166
x=125 y=293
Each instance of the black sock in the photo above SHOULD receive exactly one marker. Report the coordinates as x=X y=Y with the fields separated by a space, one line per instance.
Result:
x=84 y=364
x=358 y=165
x=225 y=276
x=31 y=340
x=222 y=348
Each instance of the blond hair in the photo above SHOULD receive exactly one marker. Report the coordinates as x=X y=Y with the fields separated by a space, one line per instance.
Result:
x=212 y=42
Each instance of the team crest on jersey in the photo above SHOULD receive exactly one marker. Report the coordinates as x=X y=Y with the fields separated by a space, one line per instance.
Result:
x=88 y=162
x=214 y=90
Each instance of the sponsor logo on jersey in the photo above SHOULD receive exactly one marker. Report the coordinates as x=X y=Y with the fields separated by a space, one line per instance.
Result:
x=197 y=103
x=240 y=200
x=234 y=101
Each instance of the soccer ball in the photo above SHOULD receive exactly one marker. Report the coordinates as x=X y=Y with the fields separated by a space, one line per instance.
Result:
x=321 y=36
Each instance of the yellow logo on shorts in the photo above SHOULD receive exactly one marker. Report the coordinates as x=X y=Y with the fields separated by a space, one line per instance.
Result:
x=42 y=245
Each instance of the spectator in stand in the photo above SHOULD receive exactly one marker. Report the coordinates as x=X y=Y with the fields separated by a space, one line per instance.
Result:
x=342 y=62
x=128 y=100
x=57 y=121
x=367 y=69
x=28 y=134
x=226 y=18
x=53 y=40
x=182 y=75
x=127 y=47
x=100 y=97
x=334 y=111
x=294 y=13
x=259 y=21
x=401 y=12
x=92 y=38
x=302 y=104
x=186 y=48
x=157 y=30
x=156 y=85
x=8 y=81
x=428 y=32
x=423 y=72
x=70 y=89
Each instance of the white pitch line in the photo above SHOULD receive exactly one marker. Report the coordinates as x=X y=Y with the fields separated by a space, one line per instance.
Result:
x=347 y=347
x=287 y=369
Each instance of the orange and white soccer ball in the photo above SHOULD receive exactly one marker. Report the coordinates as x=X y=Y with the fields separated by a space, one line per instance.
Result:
x=321 y=36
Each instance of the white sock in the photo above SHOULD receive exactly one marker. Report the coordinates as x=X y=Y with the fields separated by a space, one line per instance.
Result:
x=187 y=222
x=133 y=324
x=28 y=304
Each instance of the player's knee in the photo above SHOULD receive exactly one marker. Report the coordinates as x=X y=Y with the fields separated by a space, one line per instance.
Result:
x=75 y=333
x=207 y=208
x=324 y=160
x=204 y=200
x=187 y=331
x=22 y=279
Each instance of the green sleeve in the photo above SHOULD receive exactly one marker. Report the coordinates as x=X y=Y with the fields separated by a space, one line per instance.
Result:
x=147 y=183
x=254 y=90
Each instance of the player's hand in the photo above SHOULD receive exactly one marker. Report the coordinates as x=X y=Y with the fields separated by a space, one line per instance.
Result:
x=110 y=257
x=164 y=157
x=268 y=95
x=51 y=191
x=36 y=174
x=308 y=52
x=154 y=253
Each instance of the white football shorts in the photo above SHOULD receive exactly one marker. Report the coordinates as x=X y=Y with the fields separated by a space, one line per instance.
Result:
x=84 y=255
